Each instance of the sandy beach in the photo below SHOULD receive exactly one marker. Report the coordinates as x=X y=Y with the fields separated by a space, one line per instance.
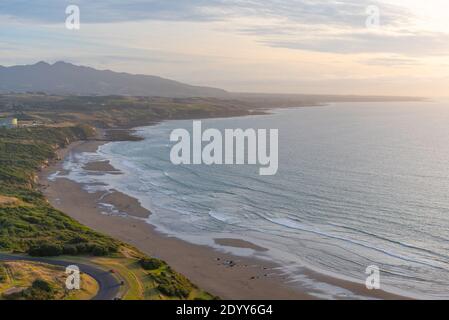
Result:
x=224 y=275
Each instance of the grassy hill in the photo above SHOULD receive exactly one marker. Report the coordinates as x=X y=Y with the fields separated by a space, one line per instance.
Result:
x=30 y=224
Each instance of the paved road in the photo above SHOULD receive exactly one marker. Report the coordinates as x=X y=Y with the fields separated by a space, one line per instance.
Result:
x=109 y=285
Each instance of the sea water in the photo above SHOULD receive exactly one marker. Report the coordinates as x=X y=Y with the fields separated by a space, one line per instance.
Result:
x=358 y=184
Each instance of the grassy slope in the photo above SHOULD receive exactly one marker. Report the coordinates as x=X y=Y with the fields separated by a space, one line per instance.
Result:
x=21 y=274
x=30 y=224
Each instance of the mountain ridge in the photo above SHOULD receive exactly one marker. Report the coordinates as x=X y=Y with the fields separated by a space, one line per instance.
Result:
x=67 y=78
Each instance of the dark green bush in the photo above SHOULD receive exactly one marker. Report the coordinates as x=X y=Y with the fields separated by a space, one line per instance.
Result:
x=42 y=285
x=39 y=290
x=46 y=250
x=173 y=290
x=172 y=284
x=70 y=250
x=99 y=251
x=151 y=263
x=79 y=239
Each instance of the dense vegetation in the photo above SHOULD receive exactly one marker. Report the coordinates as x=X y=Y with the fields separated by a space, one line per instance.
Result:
x=31 y=224
x=150 y=263
x=112 y=111
x=172 y=284
x=39 y=290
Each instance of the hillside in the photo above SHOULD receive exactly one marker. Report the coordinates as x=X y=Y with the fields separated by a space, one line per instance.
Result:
x=66 y=78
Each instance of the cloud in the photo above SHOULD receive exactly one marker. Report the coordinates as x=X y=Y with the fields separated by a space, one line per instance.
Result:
x=391 y=61
x=331 y=26
x=406 y=43
x=104 y=11
x=330 y=12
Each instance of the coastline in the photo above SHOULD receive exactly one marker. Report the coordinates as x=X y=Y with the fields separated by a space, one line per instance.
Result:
x=224 y=275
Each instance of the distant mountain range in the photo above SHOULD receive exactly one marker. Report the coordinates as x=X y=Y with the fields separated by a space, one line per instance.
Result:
x=66 y=78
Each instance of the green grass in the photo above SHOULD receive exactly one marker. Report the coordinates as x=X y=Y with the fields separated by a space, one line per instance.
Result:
x=33 y=225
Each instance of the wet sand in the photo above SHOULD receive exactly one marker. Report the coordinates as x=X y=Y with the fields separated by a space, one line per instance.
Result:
x=126 y=204
x=101 y=166
x=224 y=275
x=237 y=243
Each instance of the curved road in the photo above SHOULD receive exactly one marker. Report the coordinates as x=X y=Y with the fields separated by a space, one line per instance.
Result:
x=108 y=285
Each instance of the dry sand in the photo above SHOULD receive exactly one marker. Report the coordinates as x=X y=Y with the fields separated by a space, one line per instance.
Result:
x=225 y=275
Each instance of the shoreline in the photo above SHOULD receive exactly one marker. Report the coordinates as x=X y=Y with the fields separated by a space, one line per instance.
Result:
x=225 y=275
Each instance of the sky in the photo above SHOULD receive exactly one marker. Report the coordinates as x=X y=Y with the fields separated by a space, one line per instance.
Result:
x=381 y=47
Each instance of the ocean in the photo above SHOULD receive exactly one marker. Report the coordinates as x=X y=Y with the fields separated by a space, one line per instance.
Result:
x=359 y=184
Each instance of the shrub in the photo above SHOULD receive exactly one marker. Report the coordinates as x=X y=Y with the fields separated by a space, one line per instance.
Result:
x=39 y=290
x=42 y=285
x=173 y=290
x=70 y=250
x=82 y=248
x=99 y=251
x=45 y=250
x=79 y=239
x=150 y=263
x=172 y=284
